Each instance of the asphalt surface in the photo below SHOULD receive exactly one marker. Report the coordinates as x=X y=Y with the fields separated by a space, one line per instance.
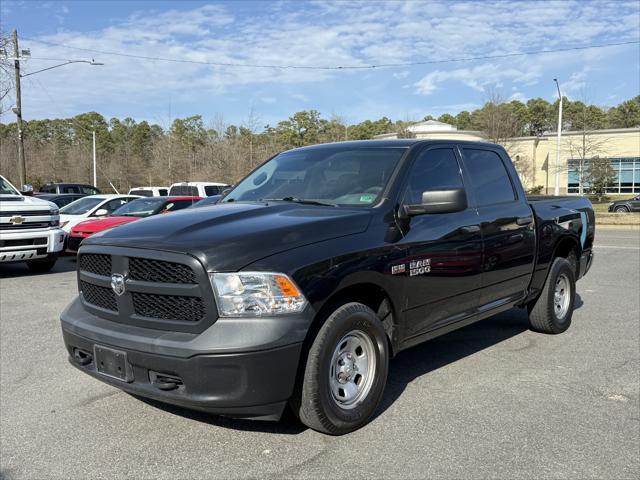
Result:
x=493 y=400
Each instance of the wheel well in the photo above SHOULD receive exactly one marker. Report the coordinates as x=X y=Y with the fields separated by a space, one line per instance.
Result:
x=565 y=249
x=369 y=294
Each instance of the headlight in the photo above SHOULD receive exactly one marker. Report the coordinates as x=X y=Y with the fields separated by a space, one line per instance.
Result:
x=54 y=211
x=248 y=294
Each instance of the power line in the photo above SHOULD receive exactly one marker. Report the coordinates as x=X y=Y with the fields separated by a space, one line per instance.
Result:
x=338 y=67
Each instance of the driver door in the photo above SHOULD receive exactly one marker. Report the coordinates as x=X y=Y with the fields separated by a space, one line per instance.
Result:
x=443 y=252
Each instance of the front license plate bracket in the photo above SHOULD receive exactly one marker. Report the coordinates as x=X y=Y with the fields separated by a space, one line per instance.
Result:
x=112 y=363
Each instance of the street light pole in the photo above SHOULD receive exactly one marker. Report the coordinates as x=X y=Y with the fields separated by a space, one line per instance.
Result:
x=557 y=190
x=95 y=178
x=22 y=169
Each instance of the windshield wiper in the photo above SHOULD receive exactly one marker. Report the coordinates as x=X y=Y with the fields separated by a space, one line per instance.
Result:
x=303 y=201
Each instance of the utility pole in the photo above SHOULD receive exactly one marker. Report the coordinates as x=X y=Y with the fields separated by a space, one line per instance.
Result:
x=95 y=178
x=557 y=190
x=22 y=168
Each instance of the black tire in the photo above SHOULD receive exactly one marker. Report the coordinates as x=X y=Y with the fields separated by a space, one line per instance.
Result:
x=544 y=315
x=44 y=265
x=314 y=403
x=621 y=209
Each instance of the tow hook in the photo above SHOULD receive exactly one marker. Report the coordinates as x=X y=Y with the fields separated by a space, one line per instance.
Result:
x=163 y=381
x=82 y=357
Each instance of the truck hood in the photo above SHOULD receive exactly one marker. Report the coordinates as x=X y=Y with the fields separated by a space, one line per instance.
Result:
x=24 y=203
x=230 y=236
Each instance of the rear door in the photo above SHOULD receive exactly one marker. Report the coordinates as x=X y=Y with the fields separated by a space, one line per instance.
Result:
x=507 y=225
x=443 y=252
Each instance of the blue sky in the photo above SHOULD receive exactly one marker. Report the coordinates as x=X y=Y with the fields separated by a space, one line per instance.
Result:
x=316 y=33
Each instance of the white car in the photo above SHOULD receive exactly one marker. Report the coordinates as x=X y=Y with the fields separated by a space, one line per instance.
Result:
x=91 y=207
x=150 y=191
x=197 y=189
x=29 y=229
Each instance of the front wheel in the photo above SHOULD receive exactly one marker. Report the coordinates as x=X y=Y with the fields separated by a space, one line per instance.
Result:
x=345 y=372
x=552 y=310
x=621 y=210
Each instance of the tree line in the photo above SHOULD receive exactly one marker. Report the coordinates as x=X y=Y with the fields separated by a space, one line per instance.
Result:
x=132 y=153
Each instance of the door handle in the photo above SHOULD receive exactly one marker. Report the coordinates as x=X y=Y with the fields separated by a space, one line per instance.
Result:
x=524 y=221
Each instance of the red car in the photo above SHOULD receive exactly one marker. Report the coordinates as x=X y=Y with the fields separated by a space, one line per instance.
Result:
x=134 y=210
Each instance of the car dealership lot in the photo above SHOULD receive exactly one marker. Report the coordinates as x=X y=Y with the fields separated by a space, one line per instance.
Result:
x=490 y=400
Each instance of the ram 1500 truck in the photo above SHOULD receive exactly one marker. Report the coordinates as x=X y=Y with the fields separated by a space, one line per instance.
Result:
x=29 y=229
x=316 y=269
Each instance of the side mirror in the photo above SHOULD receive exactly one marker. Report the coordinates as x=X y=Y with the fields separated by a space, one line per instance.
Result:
x=439 y=201
x=101 y=212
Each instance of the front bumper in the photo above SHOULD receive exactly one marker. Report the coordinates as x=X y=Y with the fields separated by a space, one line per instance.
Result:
x=30 y=244
x=237 y=367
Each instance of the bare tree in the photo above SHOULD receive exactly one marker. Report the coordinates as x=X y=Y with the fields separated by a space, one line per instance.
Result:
x=6 y=71
x=585 y=145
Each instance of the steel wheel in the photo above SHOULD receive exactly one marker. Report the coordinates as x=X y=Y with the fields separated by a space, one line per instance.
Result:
x=352 y=370
x=561 y=296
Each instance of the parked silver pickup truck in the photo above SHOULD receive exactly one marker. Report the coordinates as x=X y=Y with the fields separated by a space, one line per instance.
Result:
x=29 y=229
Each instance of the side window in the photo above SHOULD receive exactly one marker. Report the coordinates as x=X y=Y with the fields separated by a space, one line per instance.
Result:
x=163 y=192
x=490 y=179
x=48 y=189
x=211 y=190
x=433 y=169
x=70 y=189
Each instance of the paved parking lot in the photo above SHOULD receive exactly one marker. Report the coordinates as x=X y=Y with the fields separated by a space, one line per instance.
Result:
x=490 y=400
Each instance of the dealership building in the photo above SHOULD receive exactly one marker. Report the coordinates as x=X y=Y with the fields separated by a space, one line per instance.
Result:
x=535 y=156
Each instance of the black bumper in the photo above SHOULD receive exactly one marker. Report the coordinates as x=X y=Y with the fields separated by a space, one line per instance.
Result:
x=250 y=382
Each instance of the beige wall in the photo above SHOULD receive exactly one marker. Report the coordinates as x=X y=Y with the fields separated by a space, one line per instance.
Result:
x=536 y=157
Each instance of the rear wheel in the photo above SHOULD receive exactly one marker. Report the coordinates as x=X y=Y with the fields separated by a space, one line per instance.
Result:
x=621 y=209
x=552 y=310
x=345 y=372
x=44 y=265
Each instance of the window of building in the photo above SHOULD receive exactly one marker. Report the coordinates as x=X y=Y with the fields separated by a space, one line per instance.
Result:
x=627 y=175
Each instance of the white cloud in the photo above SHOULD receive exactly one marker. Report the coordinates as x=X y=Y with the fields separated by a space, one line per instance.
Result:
x=322 y=33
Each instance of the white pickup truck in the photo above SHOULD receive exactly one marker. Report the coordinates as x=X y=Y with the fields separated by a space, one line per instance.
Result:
x=29 y=229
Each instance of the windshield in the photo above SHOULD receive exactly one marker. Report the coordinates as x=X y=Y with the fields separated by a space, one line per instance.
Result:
x=340 y=175
x=6 y=188
x=142 y=207
x=81 y=206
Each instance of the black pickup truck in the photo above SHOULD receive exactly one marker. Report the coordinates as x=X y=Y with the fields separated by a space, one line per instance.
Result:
x=315 y=270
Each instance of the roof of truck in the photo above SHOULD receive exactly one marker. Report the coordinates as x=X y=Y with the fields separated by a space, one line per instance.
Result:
x=400 y=142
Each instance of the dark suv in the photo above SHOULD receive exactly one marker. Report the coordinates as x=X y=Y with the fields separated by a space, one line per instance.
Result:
x=625 y=206
x=80 y=188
